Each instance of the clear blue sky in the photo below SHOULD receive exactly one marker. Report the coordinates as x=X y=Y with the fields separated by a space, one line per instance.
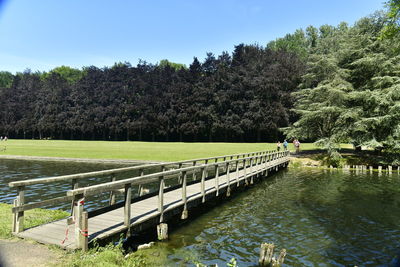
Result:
x=43 y=34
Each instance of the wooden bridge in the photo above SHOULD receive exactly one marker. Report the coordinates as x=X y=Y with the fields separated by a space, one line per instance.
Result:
x=192 y=184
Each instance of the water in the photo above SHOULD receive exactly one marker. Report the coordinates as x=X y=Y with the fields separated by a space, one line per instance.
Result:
x=15 y=170
x=322 y=218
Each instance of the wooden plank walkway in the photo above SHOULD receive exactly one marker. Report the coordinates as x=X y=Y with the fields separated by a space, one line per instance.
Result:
x=145 y=213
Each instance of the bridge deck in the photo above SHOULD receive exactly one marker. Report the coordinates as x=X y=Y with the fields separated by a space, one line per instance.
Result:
x=143 y=212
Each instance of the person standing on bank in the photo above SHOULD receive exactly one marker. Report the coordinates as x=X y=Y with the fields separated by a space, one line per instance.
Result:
x=285 y=145
x=278 y=146
x=297 y=145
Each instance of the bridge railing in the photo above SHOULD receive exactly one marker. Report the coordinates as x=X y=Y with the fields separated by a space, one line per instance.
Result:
x=249 y=165
x=20 y=205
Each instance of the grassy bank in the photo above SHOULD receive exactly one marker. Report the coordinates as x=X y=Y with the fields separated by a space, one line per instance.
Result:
x=110 y=255
x=100 y=256
x=32 y=218
x=156 y=151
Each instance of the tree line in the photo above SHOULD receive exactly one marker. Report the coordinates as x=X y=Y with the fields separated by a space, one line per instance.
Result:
x=243 y=96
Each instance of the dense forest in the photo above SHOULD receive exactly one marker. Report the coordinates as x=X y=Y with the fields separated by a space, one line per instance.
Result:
x=240 y=97
x=331 y=84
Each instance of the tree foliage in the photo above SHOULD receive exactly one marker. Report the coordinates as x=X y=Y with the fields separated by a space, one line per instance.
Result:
x=350 y=91
x=244 y=96
x=392 y=27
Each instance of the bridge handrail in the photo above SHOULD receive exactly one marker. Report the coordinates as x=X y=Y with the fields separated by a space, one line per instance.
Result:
x=53 y=179
x=149 y=178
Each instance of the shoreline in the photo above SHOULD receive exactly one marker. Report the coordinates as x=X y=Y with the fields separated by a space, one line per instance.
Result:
x=79 y=160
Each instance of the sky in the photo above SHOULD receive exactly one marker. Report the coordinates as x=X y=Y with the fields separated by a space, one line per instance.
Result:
x=43 y=34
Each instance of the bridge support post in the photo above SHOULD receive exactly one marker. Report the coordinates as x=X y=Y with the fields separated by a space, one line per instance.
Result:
x=237 y=172
x=228 y=180
x=216 y=180
x=267 y=258
x=184 y=197
x=127 y=206
x=18 y=221
x=203 y=185
x=246 y=182
x=251 y=171
x=162 y=231
x=81 y=223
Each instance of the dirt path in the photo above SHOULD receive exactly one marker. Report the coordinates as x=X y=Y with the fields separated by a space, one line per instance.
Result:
x=16 y=253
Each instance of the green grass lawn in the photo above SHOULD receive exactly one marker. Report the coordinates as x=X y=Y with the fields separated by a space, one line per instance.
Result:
x=157 y=151
x=32 y=218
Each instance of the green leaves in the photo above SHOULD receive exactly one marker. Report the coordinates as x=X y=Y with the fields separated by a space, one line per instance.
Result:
x=351 y=94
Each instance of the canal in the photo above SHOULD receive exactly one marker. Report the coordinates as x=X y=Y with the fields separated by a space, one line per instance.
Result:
x=322 y=218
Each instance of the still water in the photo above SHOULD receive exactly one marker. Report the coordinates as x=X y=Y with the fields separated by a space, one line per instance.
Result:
x=15 y=170
x=322 y=218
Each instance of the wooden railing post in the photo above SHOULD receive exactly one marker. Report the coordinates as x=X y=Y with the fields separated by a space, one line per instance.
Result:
x=245 y=172
x=206 y=162
x=224 y=160
x=265 y=163
x=194 y=171
x=161 y=198
x=180 y=174
x=251 y=171
x=162 y=228
x=112 y=193
x=217 y=179
x=237 y=172
x=184 y=196
x=127 y=207
x=18 y=222
x=74 y=185
x=203 y=184
x=140 y=187
x=228 y=182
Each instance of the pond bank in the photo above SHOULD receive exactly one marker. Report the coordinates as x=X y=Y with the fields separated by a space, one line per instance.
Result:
x=349 y=157
x=83 y=160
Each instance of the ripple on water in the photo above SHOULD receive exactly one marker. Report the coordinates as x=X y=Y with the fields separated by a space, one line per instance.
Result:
x=321 y=218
